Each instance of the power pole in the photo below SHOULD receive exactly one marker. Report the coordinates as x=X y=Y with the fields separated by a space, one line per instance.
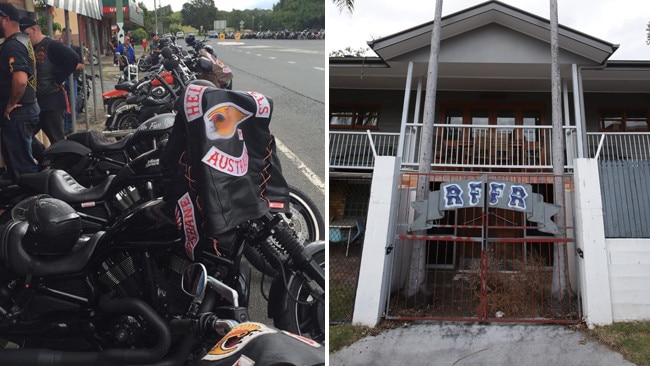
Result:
x=155 y=9
x=418 y=252
x=560 y=273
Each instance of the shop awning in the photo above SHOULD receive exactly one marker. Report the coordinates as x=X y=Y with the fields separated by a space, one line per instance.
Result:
x=89 y=8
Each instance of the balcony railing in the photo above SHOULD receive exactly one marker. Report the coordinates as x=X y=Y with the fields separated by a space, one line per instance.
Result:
x=349 y=149
x=454 y=146
x=618 y=145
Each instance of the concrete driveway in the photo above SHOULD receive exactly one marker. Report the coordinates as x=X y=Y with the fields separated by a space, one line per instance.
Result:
x=457 y=344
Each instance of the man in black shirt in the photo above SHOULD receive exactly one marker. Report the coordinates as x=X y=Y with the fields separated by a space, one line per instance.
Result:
x=72 y=94
x=18 y=107
x=54 y=63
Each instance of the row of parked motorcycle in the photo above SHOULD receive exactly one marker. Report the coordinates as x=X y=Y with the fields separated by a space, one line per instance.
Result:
x=93 y=269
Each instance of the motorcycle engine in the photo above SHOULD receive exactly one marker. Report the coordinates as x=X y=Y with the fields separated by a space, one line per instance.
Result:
x=158 y=92
x=126 y=198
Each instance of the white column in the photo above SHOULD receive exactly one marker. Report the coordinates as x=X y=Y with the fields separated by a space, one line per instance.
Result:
x=374 y=274
x=593 y=265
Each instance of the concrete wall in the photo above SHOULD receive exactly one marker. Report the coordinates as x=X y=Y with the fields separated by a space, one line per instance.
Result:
x=629 y=277
x=590 y=241
x=380 y=231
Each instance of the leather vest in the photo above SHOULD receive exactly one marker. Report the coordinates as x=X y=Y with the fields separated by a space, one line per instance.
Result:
x=29 y=96
x=45 y=70
x=229 y=164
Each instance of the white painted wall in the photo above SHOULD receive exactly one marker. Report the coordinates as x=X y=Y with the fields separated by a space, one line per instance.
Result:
x=629 y=276
x=590 y=236
x=374 y=272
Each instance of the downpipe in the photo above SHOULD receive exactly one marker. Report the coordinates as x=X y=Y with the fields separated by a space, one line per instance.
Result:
x=45 y=357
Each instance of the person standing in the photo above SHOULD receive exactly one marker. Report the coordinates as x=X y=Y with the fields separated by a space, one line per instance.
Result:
x=54 y=63
x=113 y=46
x=127 y=50
x=72 y=93
x=144 y=45
x=18 y=107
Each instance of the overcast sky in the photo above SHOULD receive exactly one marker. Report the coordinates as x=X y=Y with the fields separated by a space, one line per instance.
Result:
x=227 y=5
x=617 y=21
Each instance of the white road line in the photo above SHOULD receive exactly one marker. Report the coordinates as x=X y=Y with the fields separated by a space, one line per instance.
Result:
x=320 y=68
x=313 y=178
x=291 y=62
x=272 y=58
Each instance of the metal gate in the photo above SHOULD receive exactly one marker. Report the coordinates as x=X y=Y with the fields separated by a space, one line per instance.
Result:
x=488 y=253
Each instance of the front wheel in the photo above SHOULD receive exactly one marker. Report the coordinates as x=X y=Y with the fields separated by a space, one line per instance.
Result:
x=127 y=121
x=301 y=313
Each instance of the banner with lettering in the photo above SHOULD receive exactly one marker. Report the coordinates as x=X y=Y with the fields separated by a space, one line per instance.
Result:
x=493 y=194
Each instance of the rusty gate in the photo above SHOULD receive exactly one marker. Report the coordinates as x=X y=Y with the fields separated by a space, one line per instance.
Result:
x=484 y=247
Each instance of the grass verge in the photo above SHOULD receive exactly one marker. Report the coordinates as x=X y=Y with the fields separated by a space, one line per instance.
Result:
x=343 y=335
x=632 y=340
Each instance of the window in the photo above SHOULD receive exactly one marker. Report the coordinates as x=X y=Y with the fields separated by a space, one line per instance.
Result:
x=354 y=117
x=624 y=120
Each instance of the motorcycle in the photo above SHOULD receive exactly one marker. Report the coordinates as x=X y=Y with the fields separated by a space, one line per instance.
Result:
x=90 y=156
x=113 y=298
x=154 y=95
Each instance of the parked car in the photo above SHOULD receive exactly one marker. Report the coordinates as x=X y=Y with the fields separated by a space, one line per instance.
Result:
x=180 y=34
x=213 y=34
x=167 y=35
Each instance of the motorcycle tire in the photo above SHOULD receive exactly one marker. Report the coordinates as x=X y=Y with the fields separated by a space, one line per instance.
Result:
x=127 y=121
x=114 y=104
x=80 y=103
x=306 y=222
x=305 y=317
x=144 y=65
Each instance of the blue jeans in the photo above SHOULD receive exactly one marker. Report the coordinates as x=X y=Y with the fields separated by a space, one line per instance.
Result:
x=16 y=140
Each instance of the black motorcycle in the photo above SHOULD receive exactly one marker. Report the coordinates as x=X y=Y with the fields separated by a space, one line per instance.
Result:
x=155 y=94
x=115 y=297
x=138 y=181
x=90 y=156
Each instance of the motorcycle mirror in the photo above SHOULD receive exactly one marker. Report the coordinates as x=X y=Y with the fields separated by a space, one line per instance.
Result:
x=195 y=279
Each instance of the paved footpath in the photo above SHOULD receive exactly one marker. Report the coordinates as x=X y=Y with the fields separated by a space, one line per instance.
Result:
x=455 y=344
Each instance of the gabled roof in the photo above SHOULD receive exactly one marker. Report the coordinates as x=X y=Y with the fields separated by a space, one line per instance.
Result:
x=492 y=12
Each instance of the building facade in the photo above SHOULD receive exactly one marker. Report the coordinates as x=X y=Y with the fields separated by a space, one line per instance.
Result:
x=493 y=139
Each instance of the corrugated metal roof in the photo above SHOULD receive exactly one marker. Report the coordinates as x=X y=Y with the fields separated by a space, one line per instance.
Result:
x=89 y=8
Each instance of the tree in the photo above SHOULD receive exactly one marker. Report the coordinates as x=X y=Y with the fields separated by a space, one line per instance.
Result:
x=199 y=13
x=300 y=14
x=349 y=52
x=345 y=5
x=647 y=29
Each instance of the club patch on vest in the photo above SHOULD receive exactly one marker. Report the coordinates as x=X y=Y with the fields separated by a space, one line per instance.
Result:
x=226 y=163
x=222 y=120
x=186 y=220
x=263 y=105
x=236 y=340
x=192 y=102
